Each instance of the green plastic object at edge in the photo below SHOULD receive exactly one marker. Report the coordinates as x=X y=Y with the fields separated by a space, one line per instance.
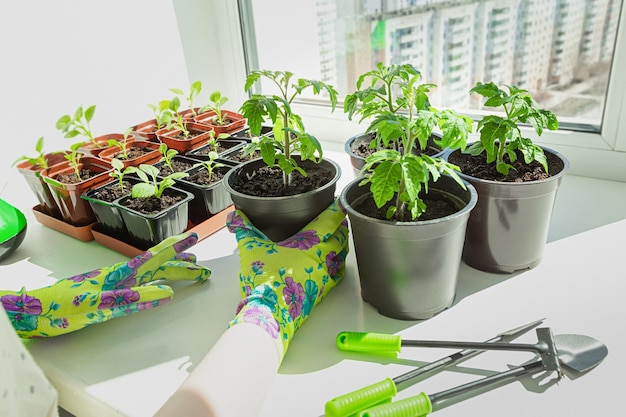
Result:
x=12 y=228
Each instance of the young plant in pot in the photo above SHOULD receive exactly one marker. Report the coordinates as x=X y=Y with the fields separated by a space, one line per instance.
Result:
x=221 y=144
x=291 y=183
x=180 y=132
x=79 y=124
x=67 y=181
x=409 y=211
x=217 y=118
x=31 y=166
x=516 y=179
x=147 y=130
x=101 y=199
x=205 y=182
x=156 y=209
x=171 y=161
x=130 y=151
x=379 y=91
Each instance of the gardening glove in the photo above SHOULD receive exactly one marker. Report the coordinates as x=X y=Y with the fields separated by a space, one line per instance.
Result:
x=73 y=303
x=281 y=282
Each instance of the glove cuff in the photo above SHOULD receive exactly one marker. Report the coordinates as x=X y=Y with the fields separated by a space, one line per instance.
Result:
x=253 y=311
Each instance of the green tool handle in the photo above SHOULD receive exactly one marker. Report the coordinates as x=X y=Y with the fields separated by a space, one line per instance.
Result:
x=417 y=406
x=386 y=343
x=422 y=404
x=369 y=342
x=361 y=399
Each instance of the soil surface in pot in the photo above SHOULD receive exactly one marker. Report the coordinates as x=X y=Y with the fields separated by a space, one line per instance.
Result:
x=477 y=166
x=181 y=135
x=133 y=152
x=201 y=177
x=238 y=157
x=177 y=166
x=437 y=206
x=221 y=147
x=268 y=182
x=152 y=205
x=113 y=191
x=361 y=147
x=72 y=178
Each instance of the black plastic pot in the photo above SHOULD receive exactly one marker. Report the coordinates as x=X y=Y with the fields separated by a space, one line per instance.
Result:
x=107 y=213
x=508 y=229
x=245 y=134
x=208 y=199
x=281 y=217
x=408 y=270
x=146 y=230
x=229 y=145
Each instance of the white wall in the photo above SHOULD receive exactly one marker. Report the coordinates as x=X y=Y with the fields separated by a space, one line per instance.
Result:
x=56 y=55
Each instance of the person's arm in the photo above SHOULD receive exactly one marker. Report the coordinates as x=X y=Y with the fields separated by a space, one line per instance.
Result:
x=232 y=380
x=280 y=284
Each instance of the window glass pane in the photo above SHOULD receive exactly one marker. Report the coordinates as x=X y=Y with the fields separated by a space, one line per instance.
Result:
x=559 y=50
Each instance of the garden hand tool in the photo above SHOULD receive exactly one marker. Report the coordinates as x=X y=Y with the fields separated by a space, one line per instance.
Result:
x=579 y=353
x=381 y=392
x=371 y=342
x=282 y=281
x=73 y=303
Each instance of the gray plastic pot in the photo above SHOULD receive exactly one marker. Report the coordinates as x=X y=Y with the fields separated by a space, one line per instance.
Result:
x=508 y=229
x=281 y=217
x=408 y=270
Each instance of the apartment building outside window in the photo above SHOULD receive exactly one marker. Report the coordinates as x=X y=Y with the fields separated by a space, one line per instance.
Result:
x=560 y=50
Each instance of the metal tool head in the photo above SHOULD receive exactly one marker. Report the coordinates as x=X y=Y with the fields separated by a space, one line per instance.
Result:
x=549 y=353
x=579 y=352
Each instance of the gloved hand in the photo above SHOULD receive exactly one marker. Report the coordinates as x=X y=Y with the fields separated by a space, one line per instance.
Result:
x=73 y=303
x=281 y=282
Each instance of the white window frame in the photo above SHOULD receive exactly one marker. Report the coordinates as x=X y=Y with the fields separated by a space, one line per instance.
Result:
x=598 y=155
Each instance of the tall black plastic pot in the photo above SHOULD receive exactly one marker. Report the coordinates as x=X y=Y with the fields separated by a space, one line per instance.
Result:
x=281 y=217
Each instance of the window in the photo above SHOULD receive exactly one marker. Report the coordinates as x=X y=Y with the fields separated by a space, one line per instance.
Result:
x=358 y=33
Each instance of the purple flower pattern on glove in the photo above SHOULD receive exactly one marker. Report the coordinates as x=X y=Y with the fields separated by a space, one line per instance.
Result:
x=303 y=240
x=21 y=303
x=115 y=298
x=293 y=294
x=333 y=264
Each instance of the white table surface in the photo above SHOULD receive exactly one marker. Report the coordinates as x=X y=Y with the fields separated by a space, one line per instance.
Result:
x=129 y=366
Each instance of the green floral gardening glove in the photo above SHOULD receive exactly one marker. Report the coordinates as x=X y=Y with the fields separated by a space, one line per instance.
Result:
x=281 y=282
x=73 y=303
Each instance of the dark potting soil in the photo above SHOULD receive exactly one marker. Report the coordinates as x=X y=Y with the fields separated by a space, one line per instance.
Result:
x=133 y=152
x=221 y=147
x=72 y=178
x=437 y=206
x=113 y=191
x=177 y=166
x=201 y=178
x=181 y=136
x=361 y=147
x=477 y=166
x=238 y=157
x=268 y=182
x=152 y=205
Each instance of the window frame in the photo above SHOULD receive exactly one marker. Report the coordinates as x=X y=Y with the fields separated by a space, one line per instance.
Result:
x=598 y=155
